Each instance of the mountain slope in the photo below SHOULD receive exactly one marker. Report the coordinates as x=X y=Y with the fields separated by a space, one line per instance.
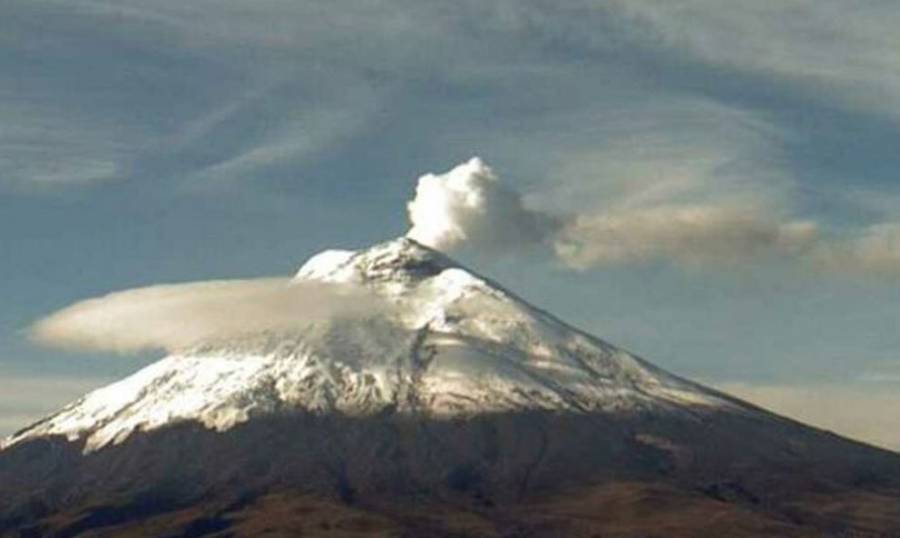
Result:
x=448 y=343
x=449 y=407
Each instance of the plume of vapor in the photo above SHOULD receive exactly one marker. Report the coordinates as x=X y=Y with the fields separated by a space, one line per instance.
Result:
x=178 y=316
x=693 y=236
x=469 y=206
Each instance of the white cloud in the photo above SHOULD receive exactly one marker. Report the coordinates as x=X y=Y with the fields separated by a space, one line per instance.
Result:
x=468 y=205
x=177 y=316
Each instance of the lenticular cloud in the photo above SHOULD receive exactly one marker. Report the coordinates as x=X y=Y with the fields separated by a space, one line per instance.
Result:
x=177 y=316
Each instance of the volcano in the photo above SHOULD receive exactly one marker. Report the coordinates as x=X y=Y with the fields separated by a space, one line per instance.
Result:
x=457 y=410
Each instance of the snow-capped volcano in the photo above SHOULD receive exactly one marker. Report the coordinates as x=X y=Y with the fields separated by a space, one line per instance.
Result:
x=439 y=389
x=447 y=343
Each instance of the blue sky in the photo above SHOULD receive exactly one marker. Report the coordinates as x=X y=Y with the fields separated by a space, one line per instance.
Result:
x=162 y=141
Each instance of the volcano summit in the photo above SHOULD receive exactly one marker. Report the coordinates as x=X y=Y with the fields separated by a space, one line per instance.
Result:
x=451 y=407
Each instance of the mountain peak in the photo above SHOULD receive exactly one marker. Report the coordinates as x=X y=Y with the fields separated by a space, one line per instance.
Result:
x=402 y=260
x=448 y=390
x=448 y=343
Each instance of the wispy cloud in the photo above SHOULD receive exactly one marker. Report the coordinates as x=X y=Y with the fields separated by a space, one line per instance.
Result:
x=196 y=96
x=156 y=96
x=841 y=52
x=46 y=147
x=301 y=136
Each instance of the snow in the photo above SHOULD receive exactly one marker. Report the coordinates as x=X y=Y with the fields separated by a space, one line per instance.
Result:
x=456 y=345
x=322 y=264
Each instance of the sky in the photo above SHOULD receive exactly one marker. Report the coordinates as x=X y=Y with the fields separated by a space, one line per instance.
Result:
x=711 y=185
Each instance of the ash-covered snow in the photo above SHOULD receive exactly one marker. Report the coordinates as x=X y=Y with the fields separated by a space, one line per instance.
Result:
x=453 y=345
